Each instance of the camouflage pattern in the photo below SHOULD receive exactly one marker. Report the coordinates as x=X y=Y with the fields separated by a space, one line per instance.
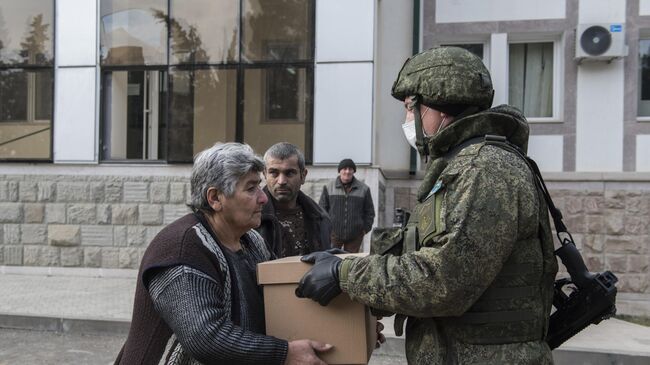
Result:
x=479 y=289
x=445 y=76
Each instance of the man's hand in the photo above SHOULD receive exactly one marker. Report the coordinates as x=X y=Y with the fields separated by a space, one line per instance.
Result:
x=321 y=282
x=304 y=352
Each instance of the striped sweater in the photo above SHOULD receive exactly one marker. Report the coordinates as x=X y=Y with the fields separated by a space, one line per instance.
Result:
x=352 y=213
x=189 y=307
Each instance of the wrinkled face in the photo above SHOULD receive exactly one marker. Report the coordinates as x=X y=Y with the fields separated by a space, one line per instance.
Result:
x=346 y=174
x=243 y=210
x=431 y=118
x=284 y=178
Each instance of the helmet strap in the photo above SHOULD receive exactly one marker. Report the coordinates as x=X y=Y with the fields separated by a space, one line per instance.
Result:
x=467 y=112
x=419 y=134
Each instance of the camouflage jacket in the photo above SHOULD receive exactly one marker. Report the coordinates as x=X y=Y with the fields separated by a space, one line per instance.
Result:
x=479 y=288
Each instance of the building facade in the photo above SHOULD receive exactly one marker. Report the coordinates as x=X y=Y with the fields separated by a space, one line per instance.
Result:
x=103 y=104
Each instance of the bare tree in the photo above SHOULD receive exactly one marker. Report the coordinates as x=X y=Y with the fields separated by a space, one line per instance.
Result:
x=33 y=48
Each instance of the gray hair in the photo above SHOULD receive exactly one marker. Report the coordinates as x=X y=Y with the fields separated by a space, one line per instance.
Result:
x=221 y=166
x=285 y=150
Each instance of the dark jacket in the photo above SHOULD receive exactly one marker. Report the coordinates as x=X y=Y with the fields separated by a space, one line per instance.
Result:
x=186 y=241
x=352 y=213
x=317 y=224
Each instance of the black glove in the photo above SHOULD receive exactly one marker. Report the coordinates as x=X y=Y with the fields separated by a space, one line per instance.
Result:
x=321 y=282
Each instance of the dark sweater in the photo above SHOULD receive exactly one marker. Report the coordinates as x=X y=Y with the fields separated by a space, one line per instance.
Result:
x=317 y=225
x=188 y=243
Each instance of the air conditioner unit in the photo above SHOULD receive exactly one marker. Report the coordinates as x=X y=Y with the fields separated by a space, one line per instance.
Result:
x=600 y=42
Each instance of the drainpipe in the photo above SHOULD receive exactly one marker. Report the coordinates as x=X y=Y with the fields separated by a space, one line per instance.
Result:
x=413 y=165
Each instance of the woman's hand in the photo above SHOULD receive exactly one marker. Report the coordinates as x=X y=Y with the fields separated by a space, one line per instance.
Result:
x=304 y=352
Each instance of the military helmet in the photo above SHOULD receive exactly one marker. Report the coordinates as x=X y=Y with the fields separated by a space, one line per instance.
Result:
x=444 y=77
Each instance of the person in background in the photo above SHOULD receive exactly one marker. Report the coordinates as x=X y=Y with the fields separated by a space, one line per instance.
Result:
x=349 y=205
x=197 y=298
x=292 y=223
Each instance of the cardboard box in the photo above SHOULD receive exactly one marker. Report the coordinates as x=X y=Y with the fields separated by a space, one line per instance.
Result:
x=347 y=325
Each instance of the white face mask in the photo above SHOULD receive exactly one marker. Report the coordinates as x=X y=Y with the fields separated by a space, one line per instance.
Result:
x=409 y=132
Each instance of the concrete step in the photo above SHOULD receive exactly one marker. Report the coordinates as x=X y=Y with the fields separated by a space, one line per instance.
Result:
x=611 y=342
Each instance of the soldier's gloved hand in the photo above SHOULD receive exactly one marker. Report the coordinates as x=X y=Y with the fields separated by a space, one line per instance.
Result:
x=321 y=282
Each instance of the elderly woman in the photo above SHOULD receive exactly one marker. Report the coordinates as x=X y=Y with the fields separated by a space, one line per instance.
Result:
x=197 y=298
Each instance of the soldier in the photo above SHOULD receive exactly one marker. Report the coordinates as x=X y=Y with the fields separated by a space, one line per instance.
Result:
x=475 y=277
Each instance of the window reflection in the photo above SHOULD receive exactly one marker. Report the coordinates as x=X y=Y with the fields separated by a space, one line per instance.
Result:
x=203 y=108
x=25 y=113
x=275 y=107
x=26 y=79
x=226 y=83
x=133 y=32
x=26 y=32
x=644 y=78
x=267 y=22
x=133 y=115
x=204 y=31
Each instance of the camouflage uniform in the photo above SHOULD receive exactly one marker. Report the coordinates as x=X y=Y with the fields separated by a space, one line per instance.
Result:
x=479 y=289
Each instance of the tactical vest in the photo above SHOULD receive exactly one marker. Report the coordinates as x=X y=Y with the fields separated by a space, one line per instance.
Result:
x=510 y=310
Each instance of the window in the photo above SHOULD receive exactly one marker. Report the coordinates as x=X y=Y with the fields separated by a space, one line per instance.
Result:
x=644 y=79
x=231 y=71
x=26 y=79
x=133 y=54
x=530 y=78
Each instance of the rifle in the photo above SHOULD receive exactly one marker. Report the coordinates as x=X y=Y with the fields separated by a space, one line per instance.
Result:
x=592 y=296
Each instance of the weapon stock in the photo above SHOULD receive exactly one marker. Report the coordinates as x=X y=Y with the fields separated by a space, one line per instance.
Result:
x=590 y=300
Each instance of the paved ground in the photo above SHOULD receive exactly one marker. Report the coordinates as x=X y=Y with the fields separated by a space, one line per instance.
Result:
x=38 y=347
x=49 y=348
x=81 y=302
x=67 y=296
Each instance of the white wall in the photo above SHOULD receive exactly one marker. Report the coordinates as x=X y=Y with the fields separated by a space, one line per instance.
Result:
x=74 y=115
x=344 y=30
x=343 y=112
x=643 y=153
x=394 y=46
x=599 y=101
x=499 y=67
x=596 y=11
x=547 y=151
x=453 y=11
x=343 y=90
x=76 y=34
x=644 y=7
x=75 y=93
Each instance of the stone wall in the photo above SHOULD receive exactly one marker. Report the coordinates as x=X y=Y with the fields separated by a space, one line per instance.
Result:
x=611 y=226
x=89 y=221
x=85 y=221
